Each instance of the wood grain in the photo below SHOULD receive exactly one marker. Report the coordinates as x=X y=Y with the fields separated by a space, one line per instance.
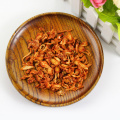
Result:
x=17 y=48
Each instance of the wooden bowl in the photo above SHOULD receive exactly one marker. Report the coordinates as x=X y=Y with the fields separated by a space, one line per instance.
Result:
x=17 y=48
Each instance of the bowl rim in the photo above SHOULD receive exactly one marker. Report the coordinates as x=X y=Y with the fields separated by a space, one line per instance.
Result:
x=100 y=68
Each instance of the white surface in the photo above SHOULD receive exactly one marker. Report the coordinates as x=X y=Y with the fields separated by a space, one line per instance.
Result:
x=102 y=103
x=92 y=17
x=76 y=7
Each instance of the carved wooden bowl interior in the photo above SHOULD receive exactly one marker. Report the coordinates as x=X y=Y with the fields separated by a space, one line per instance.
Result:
x=17 y=48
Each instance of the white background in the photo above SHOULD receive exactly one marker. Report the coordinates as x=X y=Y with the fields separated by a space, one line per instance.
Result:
x=101 y=104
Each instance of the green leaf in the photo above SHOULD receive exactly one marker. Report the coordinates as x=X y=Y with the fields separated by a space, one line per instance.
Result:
x=107 y=17
x=118 y=25
x=109 y=8
x=87 y=3
x=109 y=13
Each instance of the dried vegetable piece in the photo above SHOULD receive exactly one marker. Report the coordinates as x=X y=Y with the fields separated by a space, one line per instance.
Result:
x=57 y=61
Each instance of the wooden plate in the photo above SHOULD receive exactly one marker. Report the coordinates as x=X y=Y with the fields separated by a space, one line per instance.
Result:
x=17 y=48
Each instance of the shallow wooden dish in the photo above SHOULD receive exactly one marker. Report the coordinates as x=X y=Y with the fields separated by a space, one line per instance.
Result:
x=17 y=48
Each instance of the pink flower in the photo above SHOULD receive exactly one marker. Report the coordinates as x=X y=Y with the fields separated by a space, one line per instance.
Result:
x=98 y=3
